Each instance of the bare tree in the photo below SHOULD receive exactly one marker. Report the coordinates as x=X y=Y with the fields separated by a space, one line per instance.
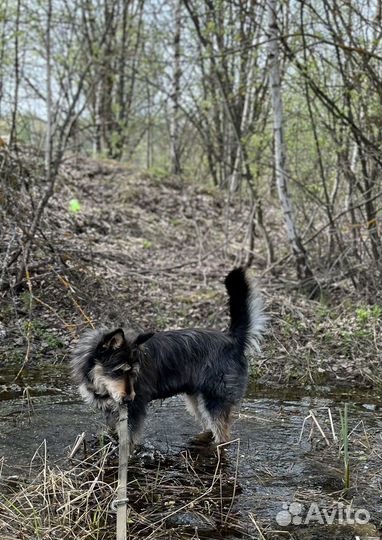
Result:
x=61 y=114
x=110 y=75
x=15 y=107
x=304 y=273
x=177 y=73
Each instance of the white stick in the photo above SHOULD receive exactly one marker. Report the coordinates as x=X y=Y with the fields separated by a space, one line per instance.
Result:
x=121 y=502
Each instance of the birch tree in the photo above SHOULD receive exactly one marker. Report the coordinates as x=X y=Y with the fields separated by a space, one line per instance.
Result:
x=304 y=273
x=177 y=72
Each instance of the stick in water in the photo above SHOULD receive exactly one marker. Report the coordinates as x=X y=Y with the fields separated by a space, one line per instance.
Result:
x=121 y=502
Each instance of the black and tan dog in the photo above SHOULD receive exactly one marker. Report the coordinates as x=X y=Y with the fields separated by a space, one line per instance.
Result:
x=207 y=366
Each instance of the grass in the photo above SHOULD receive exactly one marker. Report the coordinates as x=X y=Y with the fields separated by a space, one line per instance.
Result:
x=176 y=493
x=66 y=504
x=311 y=343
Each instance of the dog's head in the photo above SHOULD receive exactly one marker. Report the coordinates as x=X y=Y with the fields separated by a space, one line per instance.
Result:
x=104 y=364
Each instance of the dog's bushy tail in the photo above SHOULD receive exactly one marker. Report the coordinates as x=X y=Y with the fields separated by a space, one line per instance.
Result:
x=246 y=306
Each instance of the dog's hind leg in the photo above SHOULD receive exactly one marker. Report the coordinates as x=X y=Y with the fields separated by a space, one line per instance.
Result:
x=221 y=426
x=220 y=414
x=193 y=406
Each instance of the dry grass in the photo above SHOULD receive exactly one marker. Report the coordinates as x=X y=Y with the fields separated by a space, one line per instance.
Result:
x=178 y=494
x=332 y=342
x=65 y=504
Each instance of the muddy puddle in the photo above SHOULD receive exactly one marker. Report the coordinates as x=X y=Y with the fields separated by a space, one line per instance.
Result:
x=275 y=480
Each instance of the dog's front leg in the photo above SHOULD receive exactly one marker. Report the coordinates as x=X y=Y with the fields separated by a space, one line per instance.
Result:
x=137 y=415
x=111 y=414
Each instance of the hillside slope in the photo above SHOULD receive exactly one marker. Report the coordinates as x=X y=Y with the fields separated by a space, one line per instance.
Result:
x=152 y=253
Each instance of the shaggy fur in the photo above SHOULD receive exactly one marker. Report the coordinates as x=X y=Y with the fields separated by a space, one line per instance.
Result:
x=208 y=366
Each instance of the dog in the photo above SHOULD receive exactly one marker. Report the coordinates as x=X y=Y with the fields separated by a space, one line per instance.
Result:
x=209 y=367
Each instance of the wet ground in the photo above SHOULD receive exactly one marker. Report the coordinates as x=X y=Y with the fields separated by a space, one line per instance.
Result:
x=278 y=481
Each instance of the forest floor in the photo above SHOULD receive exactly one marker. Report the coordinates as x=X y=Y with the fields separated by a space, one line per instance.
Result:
x=152 y=252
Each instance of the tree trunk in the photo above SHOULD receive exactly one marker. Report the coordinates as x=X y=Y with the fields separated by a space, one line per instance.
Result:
x=15 y=105
x=174 y=127
x=304 y=273
x=49 y=133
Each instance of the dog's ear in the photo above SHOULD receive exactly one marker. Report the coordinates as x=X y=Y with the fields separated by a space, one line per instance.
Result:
x=113 y=341
x=142 y=338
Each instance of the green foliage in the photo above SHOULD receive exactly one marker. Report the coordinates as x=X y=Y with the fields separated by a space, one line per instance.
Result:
x=27 y=300
x=147 y=244
x=74 y=206
x=175 y=222
x=369 y=313
x=292 y=324
x=37 y=330
x=158 y=173
x=324 y=312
